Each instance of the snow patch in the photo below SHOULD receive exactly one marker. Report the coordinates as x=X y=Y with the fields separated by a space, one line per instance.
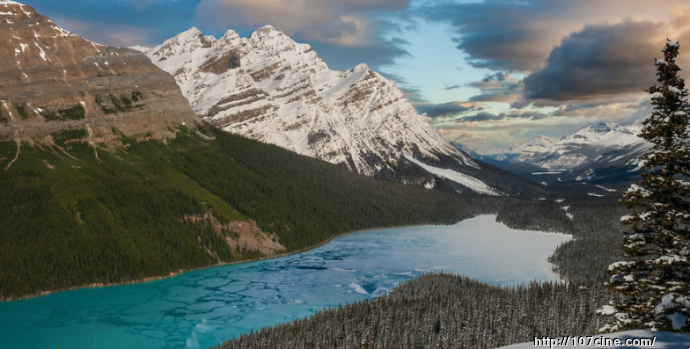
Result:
x=457 y=177
x=358 y=288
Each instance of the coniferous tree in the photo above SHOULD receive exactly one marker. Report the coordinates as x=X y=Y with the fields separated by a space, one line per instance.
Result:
x=655 y=278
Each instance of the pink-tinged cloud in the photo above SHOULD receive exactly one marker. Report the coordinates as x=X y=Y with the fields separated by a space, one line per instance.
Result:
x=345 y=22
x=603 y=60
x=506 y=35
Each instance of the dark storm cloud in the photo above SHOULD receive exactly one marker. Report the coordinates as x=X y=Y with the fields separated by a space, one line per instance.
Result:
x=481 y=116
x=517 y=35
x=501 y=34
x=449 y=109
x=598 y=60
x=484 y=116
x=375 y=55
x=500 y=76
x=498 y=87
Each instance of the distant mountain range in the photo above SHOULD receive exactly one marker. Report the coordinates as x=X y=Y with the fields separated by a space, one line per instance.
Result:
x=604 y=155
x=272 y=89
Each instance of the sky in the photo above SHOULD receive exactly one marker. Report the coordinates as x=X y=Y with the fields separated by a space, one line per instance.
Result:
x=489 y=74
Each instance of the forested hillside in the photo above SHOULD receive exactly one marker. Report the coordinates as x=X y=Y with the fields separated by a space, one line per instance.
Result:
x=592 y=221
x=450 y=311
x=76 y=214
x=443 y=311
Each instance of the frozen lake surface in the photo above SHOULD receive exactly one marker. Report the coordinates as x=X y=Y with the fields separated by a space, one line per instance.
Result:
x=202 y=308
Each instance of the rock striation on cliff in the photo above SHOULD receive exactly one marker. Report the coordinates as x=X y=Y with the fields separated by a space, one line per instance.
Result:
x=52 y=80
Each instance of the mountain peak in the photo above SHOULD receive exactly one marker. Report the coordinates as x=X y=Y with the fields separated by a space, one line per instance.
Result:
x=267 y=28
x=8 y=2
x=19 y=8
x=191 y=31
x=602 y=127
x=597 y=144
x=192 y=34
x=230 y=36
x=286 y=95
x=267 y=32
x=361 y=66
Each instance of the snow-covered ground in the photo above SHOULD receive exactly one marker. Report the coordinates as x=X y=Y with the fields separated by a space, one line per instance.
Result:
x=457 y=177
x=664 y=340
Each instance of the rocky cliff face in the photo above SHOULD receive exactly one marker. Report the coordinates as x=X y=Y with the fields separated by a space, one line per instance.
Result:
x=52 y=80
x=272 y=89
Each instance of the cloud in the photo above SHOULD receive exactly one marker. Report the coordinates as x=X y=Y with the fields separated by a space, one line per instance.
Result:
x=379 y=53
x=413 y=95
x=508 y=35
x=452 y=87
x=449 y=109
x=315 y=18
x=498 y=87
x=484 y=116
x=598 y=60
x=502 y=35
x=344 y=32
x=621 y=110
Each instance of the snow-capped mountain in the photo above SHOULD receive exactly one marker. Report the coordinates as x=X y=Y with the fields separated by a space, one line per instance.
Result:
x=270 y=88
x=601 y=153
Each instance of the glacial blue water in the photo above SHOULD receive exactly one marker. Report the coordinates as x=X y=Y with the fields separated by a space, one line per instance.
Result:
x=202 y=308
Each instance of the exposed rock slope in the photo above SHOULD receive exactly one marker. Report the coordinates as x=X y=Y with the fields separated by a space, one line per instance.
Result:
x=52 y=80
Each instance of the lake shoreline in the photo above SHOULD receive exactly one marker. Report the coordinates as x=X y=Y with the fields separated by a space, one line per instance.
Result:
x=183 y=271
x=207 y=307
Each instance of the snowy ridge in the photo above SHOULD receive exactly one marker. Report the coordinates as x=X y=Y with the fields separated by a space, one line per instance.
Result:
x=270 y=88
x=601 y=143
x=605 y=154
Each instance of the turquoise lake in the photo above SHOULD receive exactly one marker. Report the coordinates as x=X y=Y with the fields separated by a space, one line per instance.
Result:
x=202 y=308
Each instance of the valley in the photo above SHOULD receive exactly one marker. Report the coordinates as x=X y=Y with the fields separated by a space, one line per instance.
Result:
x=202 y=308
x=601 y=158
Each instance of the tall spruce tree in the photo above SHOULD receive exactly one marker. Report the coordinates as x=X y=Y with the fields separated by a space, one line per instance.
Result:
x=655 y=277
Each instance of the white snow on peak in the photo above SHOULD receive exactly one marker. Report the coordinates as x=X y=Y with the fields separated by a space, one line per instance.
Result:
x=273 y=89
x=600 y=143
x=140 y=48
x=230 y=36
x=9 y=2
